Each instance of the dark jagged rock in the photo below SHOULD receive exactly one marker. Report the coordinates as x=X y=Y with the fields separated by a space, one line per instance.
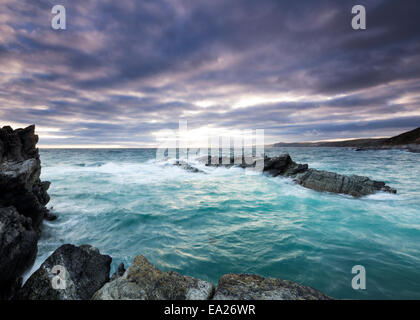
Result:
x=186 y=166
x=49 y=216
x=23 y=197
x=254 y=287
x=18 y=248
x=318 y=180
x=20 y=169
x=119 y=273
x=356 y=186
x=143 y=281
x=87 y=271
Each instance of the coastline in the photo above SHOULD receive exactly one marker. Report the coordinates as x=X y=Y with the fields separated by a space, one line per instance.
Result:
x=288 y=161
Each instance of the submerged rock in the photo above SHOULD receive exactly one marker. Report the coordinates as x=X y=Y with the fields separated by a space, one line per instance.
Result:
x=18 y=248
x=86 y=271
x=143 y=281
x=186 y=166
x=318 y=180
x=254 y=287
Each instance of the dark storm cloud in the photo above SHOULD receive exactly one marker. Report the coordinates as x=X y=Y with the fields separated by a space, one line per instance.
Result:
x=124 y=70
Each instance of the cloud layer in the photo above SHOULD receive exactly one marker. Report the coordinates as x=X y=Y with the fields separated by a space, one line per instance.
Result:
x=124 y=71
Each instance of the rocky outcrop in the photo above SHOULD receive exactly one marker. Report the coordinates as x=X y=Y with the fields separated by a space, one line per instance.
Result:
x=86 y=276
x=143 y=281
x=23 y=197
x=18 y=248
x=318 y=180
x=20 y=169
x=86 y=271
x=357 y=186
x=254 y=287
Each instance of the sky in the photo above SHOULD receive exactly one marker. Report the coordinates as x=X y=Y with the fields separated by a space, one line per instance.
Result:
x=124 y=73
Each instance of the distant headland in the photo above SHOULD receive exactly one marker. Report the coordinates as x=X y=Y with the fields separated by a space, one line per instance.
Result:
x=409 y=141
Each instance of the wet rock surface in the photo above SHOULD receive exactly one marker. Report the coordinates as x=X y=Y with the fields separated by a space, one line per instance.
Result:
x=18 y=248
x=319 y=180
x=254 y=287
x=184 y=165
x=119 y=273
x=143 y=281
x=86 y=271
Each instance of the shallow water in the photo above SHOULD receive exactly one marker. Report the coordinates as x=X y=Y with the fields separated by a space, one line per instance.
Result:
x=205 y=225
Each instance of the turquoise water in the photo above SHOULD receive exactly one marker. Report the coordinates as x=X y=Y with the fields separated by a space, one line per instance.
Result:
x=205 y=225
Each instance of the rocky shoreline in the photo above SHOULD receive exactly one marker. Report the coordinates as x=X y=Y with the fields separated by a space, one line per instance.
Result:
x=23 y=199
x=87 y=277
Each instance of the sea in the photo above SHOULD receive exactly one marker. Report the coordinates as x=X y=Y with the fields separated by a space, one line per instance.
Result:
x=125 y=202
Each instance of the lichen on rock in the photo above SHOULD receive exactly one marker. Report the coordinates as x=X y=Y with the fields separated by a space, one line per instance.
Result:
x=143 y=281
x=254 y=287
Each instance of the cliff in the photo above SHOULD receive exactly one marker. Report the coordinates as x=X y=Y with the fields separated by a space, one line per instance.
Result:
x=23 y=197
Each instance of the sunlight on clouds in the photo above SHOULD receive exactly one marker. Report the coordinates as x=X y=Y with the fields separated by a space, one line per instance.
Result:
x=199 y=137
x=249 y=100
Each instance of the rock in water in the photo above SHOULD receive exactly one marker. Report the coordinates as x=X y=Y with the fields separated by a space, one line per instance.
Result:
x=143 y=281
x=18 y=248
x=20 y=169
x=356 y=186
x=186 y=166
x=119 y=273
x=254 y=287
x=86 y=272
x=318 y=180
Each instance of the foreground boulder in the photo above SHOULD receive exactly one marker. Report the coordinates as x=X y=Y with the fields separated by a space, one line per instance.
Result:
x=254 y=287
x=86 y=271
x=18 y=248
x=319 y=180
x=143 y=281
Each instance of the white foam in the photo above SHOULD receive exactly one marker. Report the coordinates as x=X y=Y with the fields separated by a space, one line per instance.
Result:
x=384 y=196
